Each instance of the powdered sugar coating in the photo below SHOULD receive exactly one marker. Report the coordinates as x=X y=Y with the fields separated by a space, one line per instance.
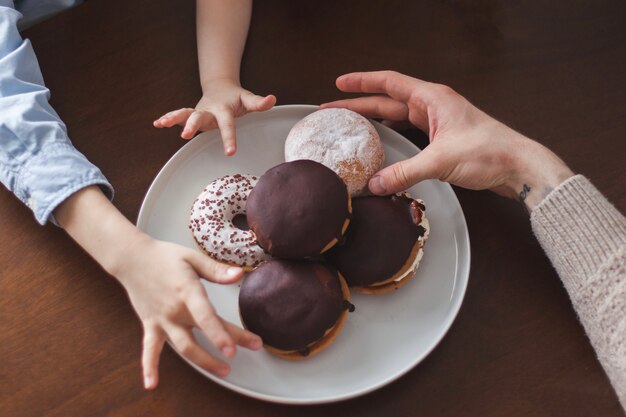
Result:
x=211 y=222
x=341 y=139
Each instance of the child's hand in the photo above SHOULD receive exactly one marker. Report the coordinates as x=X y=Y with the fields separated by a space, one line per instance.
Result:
x=163 y=282
x=222 y=101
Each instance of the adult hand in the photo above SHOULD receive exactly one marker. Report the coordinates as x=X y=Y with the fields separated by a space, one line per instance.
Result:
x=222 y=102
x=468 y=148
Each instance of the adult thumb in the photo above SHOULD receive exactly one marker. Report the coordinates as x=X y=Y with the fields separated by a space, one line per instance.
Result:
x=404 y=174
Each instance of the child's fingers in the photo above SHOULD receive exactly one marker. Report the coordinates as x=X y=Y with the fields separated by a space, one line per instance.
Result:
x=198 y=120
x=153 y=339
x=184 y=342
x=176 y=117
x=206 y=319
x=252 y=102
x=211 y=270
x=192 y=125
x=226 y=123
x=243 y=337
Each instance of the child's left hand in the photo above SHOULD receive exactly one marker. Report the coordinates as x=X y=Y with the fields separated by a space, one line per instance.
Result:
x=222 y=101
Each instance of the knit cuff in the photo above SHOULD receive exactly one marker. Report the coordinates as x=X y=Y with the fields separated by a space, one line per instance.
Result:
x=578 y=228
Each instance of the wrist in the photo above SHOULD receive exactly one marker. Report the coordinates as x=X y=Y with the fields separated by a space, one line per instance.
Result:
x=217 y=80
x=115 y=258
x=99 y=228
x=539 y=171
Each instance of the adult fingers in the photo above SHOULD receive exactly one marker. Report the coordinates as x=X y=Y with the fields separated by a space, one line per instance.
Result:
x=243 y=337
x=184 y=342
x=212 y=270
x=153 y=340
x=397 y=125
x=226 y=124
x=397 y=86
x=252 y=102
x=198 y=120
x=207 y=320
x=421 y=97
x=402 y=175
x=373 y=107
x=176 y=117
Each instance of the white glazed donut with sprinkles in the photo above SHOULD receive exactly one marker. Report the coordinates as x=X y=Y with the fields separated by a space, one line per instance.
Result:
x=211 y=222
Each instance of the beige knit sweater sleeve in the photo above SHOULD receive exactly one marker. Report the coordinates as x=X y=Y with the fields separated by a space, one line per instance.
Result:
x=585 y=238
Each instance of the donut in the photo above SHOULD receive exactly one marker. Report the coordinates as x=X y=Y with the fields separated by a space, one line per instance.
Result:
x=342 y=140
x=384 y=244
x=297 y=307
x=298 y=209
x=211 y=222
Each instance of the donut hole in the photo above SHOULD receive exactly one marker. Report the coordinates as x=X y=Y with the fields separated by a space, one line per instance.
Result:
x=241 y=222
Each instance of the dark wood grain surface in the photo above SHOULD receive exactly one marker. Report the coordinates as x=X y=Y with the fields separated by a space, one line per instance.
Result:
x=70 y=342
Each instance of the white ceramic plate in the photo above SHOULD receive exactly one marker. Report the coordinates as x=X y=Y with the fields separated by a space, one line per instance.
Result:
x=386 y=336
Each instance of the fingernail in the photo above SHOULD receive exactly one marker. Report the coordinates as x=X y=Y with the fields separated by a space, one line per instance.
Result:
x=377 y=185
x=222 y=372
x=228 y=351
x=230 y=150
x=256 y=344
x=233 y=271
x=148 y=381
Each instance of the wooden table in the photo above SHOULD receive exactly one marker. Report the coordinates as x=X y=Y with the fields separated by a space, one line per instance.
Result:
x=70 y=340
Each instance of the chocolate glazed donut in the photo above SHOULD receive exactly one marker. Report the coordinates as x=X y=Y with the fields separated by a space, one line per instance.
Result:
x=383 y=245
x=296 y=307
x=298 y=209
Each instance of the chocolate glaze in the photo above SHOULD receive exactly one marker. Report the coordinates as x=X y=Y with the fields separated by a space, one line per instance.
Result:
x=291 y=304
x=297 y=208
x=379 y=240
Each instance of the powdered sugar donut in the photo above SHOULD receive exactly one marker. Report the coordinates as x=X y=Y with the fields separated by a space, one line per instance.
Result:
x=211 y=222
x=341 y=139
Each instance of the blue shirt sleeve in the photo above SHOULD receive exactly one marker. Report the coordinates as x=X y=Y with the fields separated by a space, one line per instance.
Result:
x=37 y=160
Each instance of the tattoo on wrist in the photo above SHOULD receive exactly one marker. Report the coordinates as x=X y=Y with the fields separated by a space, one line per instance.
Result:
x=524 y=193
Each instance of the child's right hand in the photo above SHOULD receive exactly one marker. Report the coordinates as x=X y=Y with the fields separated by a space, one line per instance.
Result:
x=223 y=100
x=163 y=283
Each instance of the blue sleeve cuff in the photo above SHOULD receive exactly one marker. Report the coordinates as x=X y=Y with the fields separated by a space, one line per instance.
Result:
x=56 y=172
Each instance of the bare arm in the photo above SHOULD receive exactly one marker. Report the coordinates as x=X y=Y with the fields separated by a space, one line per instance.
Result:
x=162 y=281
x=222 y=28
x=582 y=233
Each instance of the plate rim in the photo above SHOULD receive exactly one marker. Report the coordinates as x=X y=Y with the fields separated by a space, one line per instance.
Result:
x=462 y=273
